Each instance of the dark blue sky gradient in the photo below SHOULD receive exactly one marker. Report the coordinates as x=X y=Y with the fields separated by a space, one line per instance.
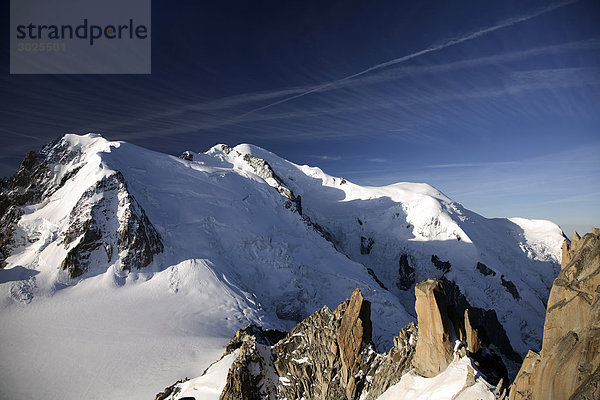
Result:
x=506 y=122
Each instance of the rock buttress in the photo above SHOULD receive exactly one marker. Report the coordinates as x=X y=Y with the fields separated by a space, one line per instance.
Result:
x=568 y=366
x=434 y=351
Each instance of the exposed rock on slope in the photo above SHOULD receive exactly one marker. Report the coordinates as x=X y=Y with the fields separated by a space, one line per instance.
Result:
x=445 y=319
x=406 y=273
x=329 y=355
x=102 y=208
x=490 y=334
x=245 y=379
x=29 y=185
x=568 y=367
x=435 y=346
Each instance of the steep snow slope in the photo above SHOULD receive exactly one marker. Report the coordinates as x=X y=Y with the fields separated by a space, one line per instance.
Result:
x=210 y=385
x=455 y=383
x=395 y=230
x=223 y=240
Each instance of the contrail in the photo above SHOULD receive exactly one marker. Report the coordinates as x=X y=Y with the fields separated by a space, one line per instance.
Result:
x=449 y=43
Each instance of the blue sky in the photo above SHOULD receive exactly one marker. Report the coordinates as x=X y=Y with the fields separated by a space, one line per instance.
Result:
x=495 y=103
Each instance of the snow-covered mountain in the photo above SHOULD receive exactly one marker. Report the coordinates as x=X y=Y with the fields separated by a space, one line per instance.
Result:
x=126 y=269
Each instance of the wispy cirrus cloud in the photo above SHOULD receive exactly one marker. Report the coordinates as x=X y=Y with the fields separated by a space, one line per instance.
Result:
x=444 y=98
x=475 y=165
x=445 y=44
x=377 y=160
x=327 y=158
x=579 y=198
x=224 y=112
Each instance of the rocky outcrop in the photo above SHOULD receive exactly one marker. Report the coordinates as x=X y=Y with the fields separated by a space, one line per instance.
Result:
x=329 y=355
x=484 y=269
x=510 y=287
x=249 y=376
x=435 y=346
x=101 y=208
x=443 y=266
x=366 y=244
x=447 y=324
x=406 y=273
x=27 y=186
x=569 y=248
x=354 y=333
x=294 y=201
x=568 y=366
x=263 y=169
x=375 y=278
x=34 y=181
x=170 y=391
x=187 y=155
x=473 y=342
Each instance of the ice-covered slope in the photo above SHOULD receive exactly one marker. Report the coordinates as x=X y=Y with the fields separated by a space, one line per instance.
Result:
x=403 y=230
x=230 y=237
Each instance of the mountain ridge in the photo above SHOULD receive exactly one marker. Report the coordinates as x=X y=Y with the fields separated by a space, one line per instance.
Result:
x=249 y=237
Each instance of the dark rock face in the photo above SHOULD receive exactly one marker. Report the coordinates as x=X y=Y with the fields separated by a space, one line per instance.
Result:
x=443 y=266
x=108 y=204
x=34 y=181
x=8 y=222
x=25 y=187
x=406 y=273
x=372 y=273
x=568 y=366
x=510 y=288
x=485 y=270
x=186 y=155
x=366 y=244
x=138 y=240
x=263 y=169
x=489 y=330
x=246 y=378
